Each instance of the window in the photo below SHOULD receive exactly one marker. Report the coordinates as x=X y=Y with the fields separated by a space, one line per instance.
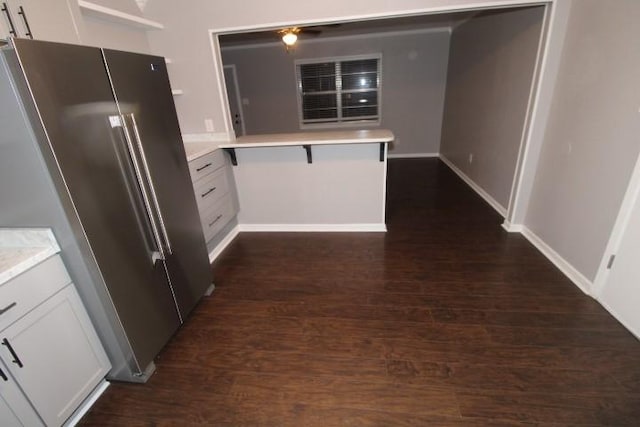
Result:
x=339 y=90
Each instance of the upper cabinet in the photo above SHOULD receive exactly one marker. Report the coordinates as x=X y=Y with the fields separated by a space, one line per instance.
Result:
x=53 y=20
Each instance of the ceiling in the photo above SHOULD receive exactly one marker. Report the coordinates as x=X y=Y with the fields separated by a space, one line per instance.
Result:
x=408 y=23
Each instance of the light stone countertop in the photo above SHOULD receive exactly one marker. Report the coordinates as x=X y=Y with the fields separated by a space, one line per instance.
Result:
x=23 y=248
x=198 y=149
x=336 y=137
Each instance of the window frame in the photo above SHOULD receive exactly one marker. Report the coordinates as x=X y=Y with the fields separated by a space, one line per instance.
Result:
x=339 y=122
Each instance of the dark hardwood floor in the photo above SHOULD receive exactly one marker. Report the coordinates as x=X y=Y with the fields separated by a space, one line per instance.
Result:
x=444 y=320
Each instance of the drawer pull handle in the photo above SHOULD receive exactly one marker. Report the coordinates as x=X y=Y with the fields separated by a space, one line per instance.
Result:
x=3 y=375
x=203 y=167
x=7 y=308
x=215 y=220
x=16 y=359
x=211 y=190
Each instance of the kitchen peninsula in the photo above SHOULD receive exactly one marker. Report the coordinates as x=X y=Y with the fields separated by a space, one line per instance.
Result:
x=311 y=181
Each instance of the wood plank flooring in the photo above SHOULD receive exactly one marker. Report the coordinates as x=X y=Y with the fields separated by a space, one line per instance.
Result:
x=445 y=320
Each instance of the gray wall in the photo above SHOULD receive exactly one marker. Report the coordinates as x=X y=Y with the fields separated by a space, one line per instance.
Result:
x=491 y=66
x=414 y=68
x=593 y=134
x=186 y=39
x=103 y=33
x=113 y=35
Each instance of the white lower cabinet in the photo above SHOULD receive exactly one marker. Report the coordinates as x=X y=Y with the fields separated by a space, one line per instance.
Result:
x=213 y=190
x=51 y=354
x=15 y=409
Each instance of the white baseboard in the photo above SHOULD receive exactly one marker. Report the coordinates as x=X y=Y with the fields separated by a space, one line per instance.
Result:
x=206 y=137
x=314 y=227
x=574 y=275
x=215 y=253
x=486 y=196
x=75 y=418
x=512 y=228
x=412 y=155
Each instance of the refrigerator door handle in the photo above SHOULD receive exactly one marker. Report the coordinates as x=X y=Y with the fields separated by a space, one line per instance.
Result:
x=154 y=197
x=120 y=121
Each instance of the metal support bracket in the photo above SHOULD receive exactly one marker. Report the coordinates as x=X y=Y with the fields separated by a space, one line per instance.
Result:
x=232 y=154
x=382 y=151
x=308 y=150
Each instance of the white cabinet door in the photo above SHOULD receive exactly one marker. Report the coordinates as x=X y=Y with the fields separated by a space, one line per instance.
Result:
x=61 y=358
x=47 y=20
x=15 y=410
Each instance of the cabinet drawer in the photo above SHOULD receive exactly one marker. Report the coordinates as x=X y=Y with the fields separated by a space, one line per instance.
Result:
x=216 y=218
x=204 y=165
x=31 y=288
x=210 y=189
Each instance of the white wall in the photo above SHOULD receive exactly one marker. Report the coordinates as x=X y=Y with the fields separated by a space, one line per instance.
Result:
x=186 y=39
x=414 y=67
x=593 y=133
x=111 y=35
x=107 y=33
x=490 y=76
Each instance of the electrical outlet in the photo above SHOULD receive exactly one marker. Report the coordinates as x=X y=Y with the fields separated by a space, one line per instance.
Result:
x=470 y=157
x=208 y=125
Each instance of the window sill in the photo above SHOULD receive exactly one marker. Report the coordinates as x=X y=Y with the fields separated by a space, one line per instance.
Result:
x=343 y=125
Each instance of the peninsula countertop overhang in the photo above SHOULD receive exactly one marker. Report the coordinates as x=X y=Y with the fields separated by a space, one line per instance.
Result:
x=312 y=138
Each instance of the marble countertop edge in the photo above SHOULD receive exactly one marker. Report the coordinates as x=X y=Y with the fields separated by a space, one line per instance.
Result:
x=23 y=248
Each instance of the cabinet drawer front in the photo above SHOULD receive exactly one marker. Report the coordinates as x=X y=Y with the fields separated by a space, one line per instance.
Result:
x=216 y=218
x=210 y=189
x=31 y=288
x=204 y=165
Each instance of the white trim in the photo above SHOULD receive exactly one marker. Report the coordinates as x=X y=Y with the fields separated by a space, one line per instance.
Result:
x=512 y=228
x=305 y=228
x=380 y=15
x=413 y=155
x=631 y=197
x=206 y=137
x=107 y=13
x=471 y=183
x=86 y=405
x=547 y=66
x=220 y=247
x=563 y=265
x=378 y=34
x=219 y=76
x=234 y=74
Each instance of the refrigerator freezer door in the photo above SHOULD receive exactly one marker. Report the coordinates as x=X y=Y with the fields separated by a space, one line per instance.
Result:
x=142 y=90
x=71 y=90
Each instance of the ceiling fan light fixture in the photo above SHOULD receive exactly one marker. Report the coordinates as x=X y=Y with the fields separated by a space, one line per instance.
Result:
x=290 y=38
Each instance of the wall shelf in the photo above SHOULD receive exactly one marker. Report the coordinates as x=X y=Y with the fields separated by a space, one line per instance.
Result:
x=106 y=13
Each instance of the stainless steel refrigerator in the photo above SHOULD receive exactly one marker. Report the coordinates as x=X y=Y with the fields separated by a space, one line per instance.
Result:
x=111 y=178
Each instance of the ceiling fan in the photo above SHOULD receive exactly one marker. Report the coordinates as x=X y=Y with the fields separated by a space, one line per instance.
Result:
x=289 y=35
